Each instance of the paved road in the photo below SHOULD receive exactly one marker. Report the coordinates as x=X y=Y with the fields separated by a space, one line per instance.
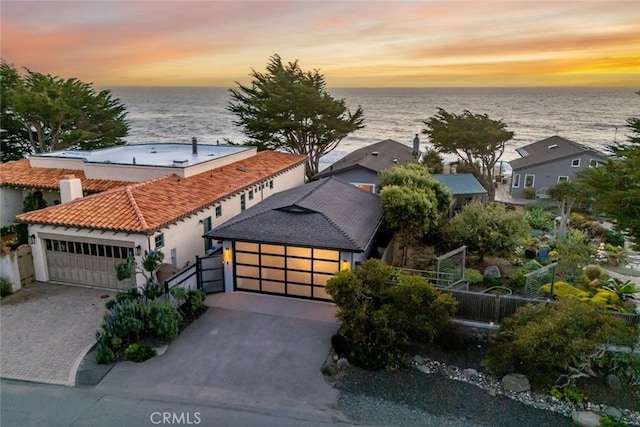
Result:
x=46 y=329
x=28 y=404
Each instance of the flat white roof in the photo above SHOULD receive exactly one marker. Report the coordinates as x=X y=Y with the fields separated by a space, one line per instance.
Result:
x=169 y=155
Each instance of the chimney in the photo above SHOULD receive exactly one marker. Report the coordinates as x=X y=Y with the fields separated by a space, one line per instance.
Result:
x=416 y=145
x=70 y=188
x=194 y=145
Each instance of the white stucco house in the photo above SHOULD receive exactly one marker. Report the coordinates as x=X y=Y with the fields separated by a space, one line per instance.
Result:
x=145 y=197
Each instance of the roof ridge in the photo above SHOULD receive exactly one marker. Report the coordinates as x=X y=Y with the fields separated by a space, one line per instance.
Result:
x=341 y=231
x=136 y=208
x=323 y=182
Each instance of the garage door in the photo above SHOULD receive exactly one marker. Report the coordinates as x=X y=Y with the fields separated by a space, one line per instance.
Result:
x=284 y=270
x=85 y=263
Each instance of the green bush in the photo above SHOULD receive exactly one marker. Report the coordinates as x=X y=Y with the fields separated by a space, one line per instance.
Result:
x=192 y=303
x=613 y=237
x=381 y=312
x=6 y=287
x=518 y=277
x=473 y=276
x=139 y=352
x=540 y=219
x=542 y=341
x=592 y=271
x=164 y=320
x=530 y=193
x=132 y=321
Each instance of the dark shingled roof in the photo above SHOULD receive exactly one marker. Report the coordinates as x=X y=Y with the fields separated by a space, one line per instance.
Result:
x=549 y=149
x=387 y=150
x=461 y=184
x=328 y=213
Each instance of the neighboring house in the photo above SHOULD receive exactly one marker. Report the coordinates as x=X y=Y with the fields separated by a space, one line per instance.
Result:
x=464 y=188
x=175 y=194
x=293 y=242
x=545 y=163
x=362 y=166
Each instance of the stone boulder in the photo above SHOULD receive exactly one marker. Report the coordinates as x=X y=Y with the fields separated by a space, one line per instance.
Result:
x=342 y=363
x=515 y=382
x=613 y=382
x=586 y=418
x=492 y=272
x=470 y=374
x=614 y=412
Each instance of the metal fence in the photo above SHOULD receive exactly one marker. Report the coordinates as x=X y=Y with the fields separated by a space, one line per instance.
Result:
x=186 y=278
x=492 y=309
x=487 y=308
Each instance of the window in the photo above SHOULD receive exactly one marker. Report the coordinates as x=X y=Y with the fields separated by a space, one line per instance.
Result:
x=595 y=163
x=206 y=226
x=243 y=202
x=516 y=181
x=366 y=187
x=159 y=239
x=218 y=211
x=251 y=194
x=529 y=181
x=575 y=163
x=563 y=179
x=271 y=185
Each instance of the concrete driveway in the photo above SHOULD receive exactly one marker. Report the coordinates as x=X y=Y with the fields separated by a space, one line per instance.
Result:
x=46 y=329
x=246 y=350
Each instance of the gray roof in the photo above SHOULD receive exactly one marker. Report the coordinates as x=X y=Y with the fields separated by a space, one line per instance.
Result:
x=366 y=157
x=461 y=184
x=551 y=149
x=328 y=213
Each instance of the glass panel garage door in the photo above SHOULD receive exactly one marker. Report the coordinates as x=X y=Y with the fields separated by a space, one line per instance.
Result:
x=90 y=264
x=284 y=270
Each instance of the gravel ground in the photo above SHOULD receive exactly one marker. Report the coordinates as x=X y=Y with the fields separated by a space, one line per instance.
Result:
x=409 y=398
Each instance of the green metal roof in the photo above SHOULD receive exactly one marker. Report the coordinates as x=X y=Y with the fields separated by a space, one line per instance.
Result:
x=461 y=184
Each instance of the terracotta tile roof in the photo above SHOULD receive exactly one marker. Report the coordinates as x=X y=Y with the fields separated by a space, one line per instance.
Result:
x=148 y=206
x=21 y=174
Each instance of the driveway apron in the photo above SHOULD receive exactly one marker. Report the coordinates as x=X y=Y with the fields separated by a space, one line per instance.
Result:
x=242 y=357
x=46 y=329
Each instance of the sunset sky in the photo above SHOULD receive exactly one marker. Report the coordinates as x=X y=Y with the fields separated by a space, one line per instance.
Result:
x=454 y=43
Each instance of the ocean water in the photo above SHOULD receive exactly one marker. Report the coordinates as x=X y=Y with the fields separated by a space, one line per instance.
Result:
x=591 y=116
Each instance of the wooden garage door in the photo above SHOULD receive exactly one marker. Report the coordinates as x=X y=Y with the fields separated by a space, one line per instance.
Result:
x=284 y=270
x=92 y=264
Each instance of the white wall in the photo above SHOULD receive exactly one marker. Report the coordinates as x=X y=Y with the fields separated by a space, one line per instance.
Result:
x=12 y=202
x=11 y=199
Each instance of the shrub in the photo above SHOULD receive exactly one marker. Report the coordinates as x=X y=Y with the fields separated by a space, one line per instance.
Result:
x=139 y=352
x=613 y=237
x=380 y=315
x=577 y=220
x=540 y=219
x=542 y=341
x=487 y=230
x=473 y=276
x=530 y=193
x=194 y=306
x=164 y=320
x=6 y=287
x=518 y=278
x=592 y=271
x=133 y=320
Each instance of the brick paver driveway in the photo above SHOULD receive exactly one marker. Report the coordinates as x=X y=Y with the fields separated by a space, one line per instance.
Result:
x=46 y=329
